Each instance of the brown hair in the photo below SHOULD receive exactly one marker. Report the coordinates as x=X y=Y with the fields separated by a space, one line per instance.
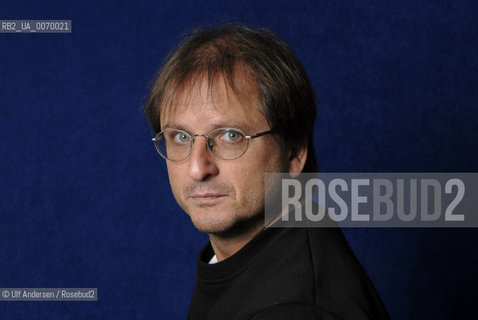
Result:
x=287 y=96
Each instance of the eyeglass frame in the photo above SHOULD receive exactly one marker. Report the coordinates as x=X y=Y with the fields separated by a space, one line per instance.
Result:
x=208 y=144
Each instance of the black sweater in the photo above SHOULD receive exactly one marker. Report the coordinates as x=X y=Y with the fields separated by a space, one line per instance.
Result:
x=286 y=273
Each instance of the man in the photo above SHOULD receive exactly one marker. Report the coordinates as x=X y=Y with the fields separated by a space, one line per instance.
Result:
x=230 y=104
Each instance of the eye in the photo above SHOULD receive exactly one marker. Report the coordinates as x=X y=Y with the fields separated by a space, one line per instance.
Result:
x=180 y=137
x=232 y=136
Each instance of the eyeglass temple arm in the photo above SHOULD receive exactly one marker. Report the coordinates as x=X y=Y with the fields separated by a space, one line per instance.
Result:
x=260 y=134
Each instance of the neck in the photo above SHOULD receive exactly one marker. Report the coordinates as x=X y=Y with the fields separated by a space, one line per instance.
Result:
x=227 y=244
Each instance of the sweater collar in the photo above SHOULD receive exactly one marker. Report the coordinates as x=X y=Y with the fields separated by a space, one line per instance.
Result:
x=235 y=263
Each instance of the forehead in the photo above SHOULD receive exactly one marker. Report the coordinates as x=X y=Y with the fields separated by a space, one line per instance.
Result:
x=215 y=101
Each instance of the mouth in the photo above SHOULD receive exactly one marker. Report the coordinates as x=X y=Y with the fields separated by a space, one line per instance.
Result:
x=203 y=198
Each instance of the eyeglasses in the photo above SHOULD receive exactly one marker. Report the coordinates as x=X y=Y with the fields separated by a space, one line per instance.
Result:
x=224 y=143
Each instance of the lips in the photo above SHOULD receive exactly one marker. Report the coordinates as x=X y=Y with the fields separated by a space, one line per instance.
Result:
x=207 y=199
x=207 y=196
x=207 y=193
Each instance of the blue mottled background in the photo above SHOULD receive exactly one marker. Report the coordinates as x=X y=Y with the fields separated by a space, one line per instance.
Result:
x=84 y=198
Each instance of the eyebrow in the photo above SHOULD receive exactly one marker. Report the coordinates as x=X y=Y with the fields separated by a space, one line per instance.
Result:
x=236 y=125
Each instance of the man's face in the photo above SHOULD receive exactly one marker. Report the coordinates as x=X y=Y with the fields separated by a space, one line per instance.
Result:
x=219 y=194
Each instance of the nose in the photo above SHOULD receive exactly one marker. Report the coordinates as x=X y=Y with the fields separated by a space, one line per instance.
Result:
x=202 y=163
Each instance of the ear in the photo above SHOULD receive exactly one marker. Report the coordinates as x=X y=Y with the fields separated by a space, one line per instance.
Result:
x=297 y=160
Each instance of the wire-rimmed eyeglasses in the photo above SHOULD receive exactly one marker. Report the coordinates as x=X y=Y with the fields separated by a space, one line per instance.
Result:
x=224 y=143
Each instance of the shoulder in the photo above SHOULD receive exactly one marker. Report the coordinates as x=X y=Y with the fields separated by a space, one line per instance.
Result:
x=342 y=284
x=321 y=260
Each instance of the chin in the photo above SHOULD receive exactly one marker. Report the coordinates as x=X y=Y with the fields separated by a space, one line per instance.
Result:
x=225 y=226
x=208 y=221
x=209 y=218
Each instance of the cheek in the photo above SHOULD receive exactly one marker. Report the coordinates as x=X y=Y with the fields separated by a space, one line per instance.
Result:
x=176 y=179
x=249 y=181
